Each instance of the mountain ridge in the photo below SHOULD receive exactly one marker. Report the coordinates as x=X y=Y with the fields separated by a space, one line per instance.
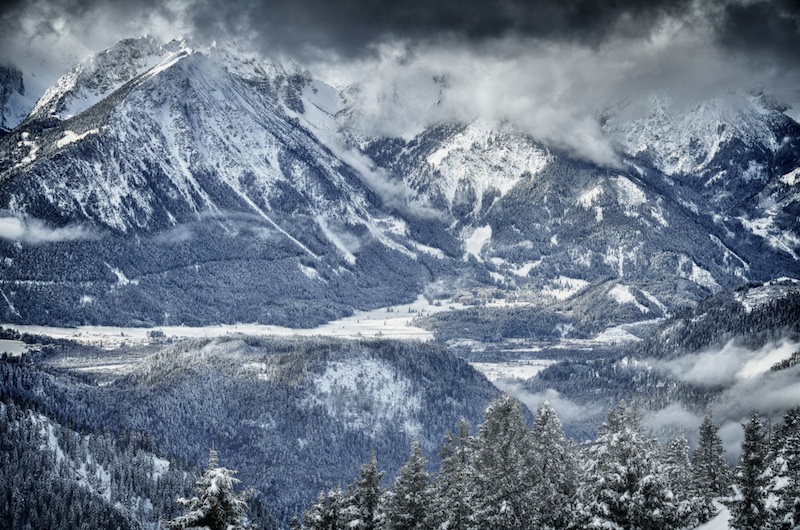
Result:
x=192 y=147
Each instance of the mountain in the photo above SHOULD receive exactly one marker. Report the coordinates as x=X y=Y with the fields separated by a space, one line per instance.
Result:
x=169 y=184
x=293 y=416
x=189 y=193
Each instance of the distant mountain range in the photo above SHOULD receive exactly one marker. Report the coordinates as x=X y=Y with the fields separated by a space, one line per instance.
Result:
x=161 y=184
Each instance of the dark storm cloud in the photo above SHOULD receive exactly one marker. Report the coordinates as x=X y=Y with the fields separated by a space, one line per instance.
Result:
x=354 y=27
x=768 y=30
x=548 y=66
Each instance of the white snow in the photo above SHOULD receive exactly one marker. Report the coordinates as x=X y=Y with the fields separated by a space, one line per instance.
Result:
x=519 y=369
x=160 y=466
x=337 y=240
x=719 y=521
x=629 y=195
x=121 y=278
x=655 y=301
x=563 y=287
x=475 y=242
x=435 y=252
x=765 y=228
x=525 y=269
x=485 y=156
x=615 y=335
x=791 y=178
x=345 y=384
x=391 y=322
x=587 y=198
x=72 y=137
x=622 y=295
x=14 y=348
x=310 y=272
x=697 y=274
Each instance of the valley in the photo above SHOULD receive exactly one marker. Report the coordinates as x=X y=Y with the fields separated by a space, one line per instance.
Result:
x=208 y=251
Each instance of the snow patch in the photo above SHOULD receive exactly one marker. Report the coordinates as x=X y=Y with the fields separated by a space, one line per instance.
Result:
x=563 y=287
x=121 y=278
x=72 y=137
x=697 y=274
x=629 y=195
x=525 y=269
x=622 y=294
x=476 y=241
x=587 y=198
x=791 y=178
x=367 y=394
x=310 y=272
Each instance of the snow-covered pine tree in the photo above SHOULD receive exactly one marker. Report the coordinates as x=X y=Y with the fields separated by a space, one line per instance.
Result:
x=362 y=503
x=557 y=471
x=624 y=485
x=710 y=471
x=785 y=464
x=689 y=507
x=503 y=468
x=325 y=514
x=450 y=508
x=748 y=506
x=407 y=502
x=217 y=506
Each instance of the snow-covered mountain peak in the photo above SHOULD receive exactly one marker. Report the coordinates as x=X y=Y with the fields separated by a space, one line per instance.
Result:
x=685 y=139
x=100 y=74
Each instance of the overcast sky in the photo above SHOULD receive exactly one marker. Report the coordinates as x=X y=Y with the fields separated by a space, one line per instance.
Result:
x=550 y=65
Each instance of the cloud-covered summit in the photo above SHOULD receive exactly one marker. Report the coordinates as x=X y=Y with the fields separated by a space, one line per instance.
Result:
x=549 y=66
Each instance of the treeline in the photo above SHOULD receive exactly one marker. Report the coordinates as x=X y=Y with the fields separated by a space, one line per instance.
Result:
x=508 y=476
x=724 y=316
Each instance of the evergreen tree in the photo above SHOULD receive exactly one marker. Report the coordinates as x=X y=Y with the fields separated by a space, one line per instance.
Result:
x=624 y=486
x=406 y=504
x=748 y=507
x=503 y=468
x=785 y=465
x=711 y=472
x=325 y=514
x=450 y=508
x=689 y=507
x=217 y=506
x=556 y=470
x=361 y=511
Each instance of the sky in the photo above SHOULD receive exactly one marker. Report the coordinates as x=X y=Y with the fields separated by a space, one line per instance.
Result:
x=550 y=66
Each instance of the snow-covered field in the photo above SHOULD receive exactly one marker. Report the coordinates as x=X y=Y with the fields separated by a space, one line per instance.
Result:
x=390 y=322
x=518 y=369
x=13 y=347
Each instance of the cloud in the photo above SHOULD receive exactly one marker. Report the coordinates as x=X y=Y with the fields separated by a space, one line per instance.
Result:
x=549 y=67
x=568 y=410
x=747 y=385
x=729 y=366
x=34 y=231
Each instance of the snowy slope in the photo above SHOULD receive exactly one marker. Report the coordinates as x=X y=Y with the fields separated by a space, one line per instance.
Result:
x=170 y=142
x=197 y=147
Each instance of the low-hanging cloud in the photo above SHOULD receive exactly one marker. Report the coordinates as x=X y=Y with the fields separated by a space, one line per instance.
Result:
x=568 y=411
x=746 y=382
x=728 y=366
x=550 y=67
x=34 y=231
